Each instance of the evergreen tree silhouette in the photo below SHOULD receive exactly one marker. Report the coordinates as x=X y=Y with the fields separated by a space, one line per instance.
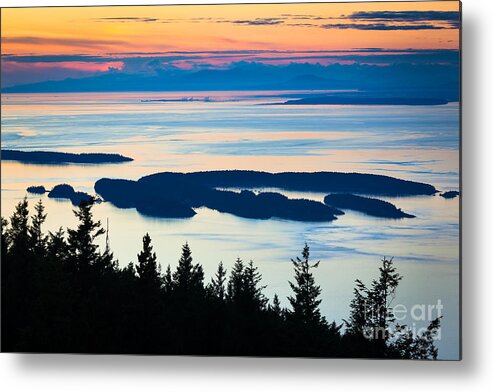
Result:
x=18 y=232
x=187 y=307
x=236 y=282
x=217 y=287
x=243 y=289
x=381 y=295
x=309 y=330
x=57 y=247
x=358 y=324
x=305 y=302
x=18 y=276
x=371 y=312
x=149 y=305
x=408 y=346
x=5 y=242
x=168 y=283
x=38 y=239
x=253 y=295
x=276 y=306
x=147 y=266
x=371 y=328
x=61 y=294
x=189 y=277
x=82 y=249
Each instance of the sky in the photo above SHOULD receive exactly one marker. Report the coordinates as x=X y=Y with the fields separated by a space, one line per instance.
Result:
x=53 y=44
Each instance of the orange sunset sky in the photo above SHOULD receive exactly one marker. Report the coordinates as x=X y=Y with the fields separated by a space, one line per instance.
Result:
x=247 y=31
x=169 y=28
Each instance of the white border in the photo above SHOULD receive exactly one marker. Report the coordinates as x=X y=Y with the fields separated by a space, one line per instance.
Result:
x=131 y=373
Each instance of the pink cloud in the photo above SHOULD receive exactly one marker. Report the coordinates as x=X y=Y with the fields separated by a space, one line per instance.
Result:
x=12 y=66
x=16 y=72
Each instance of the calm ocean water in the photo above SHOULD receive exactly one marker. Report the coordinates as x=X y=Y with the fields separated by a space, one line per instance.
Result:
x=234 y=131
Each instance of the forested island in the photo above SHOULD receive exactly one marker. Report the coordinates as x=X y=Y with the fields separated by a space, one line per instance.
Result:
x=62 y=293
x=184 y=99
x=176 y=195
x=371 y=184
x=366 y=205
x=449 y=194
x=65 y=191
x=51 y=157
x=362 y=100
x=36 y=189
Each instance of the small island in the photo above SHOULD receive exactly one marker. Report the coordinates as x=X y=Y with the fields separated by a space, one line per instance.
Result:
x=185 y=99
x=449 y=194
x=65 y=191
x=38 y=190
x=51 y=157
x=366 y=205
x=362 y=100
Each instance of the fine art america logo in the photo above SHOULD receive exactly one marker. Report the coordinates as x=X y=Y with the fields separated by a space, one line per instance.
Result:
x=380 y=318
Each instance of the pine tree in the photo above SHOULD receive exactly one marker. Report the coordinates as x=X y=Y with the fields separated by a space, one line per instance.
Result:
x=18 y=232
x=57 y=247
x=83 y=251
x=253 y=291
x=372 y=318
x=305 y=303
x=408 y=346
x=168 y=281
x=381 y=295
x=5 y=241
x=188 y=277
x=129 y=270
x=276 y=306
x=217 y=285
x=375 y=304
x=236 y=281
x=243 y=287
x=37 y=238
x=147 y=267
x=19 y=283
x=359 y=314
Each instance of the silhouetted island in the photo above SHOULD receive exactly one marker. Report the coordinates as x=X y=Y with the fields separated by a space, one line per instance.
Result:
x=355 y=100
x=48 y=157
x=39 y=190
x=175 y=195
x=325 y=182
x=366 y=205
x=65 y=191
x=185 y=99
x=449 y=194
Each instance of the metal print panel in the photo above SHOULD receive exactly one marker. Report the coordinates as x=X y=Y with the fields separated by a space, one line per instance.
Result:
x=235 y=180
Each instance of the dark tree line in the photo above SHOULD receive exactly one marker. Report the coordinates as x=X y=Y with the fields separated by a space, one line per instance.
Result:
x=62 y=293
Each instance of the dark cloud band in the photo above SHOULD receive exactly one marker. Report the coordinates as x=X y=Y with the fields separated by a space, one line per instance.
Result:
x=406 y=16
x=382 y=26
x=375 y=20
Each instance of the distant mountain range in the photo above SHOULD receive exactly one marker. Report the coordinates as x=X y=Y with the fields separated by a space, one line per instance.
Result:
x=439 y=81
